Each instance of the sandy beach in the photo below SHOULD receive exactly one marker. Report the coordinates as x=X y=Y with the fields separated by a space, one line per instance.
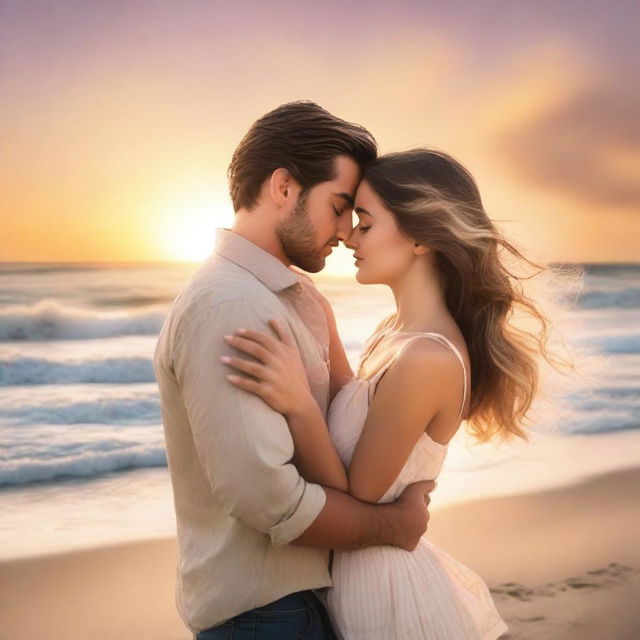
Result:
x=562 y=564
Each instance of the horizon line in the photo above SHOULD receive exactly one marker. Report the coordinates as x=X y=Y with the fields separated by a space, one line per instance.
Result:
x=197 y=262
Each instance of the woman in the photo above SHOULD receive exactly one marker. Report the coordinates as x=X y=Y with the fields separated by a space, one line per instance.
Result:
x=447 y=354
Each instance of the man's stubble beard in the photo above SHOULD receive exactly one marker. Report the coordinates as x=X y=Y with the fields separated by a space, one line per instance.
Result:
x=299 y=238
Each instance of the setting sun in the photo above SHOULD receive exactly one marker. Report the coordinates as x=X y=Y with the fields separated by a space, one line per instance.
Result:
x=187 y=221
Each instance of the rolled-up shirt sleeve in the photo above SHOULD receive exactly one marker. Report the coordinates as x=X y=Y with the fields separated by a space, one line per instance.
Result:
x=245 y=447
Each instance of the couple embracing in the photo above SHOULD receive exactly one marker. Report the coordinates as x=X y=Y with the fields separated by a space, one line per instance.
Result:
x=301 y=488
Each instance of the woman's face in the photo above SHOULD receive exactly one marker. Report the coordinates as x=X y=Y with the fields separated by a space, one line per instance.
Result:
x=383 y=253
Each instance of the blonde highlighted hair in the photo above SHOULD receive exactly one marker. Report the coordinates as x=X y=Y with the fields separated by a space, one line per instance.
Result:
x=435 y=201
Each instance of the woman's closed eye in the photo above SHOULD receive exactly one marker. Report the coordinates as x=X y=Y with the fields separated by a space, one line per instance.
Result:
x=363 y=229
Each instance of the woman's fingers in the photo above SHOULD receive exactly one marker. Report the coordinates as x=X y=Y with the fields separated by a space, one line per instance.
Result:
x=244 y=383
x=267 y=341
x=249 y=346
x=252 y=368
x=282 y=333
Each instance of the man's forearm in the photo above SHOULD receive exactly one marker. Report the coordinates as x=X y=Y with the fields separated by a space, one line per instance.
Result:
x=346 y=523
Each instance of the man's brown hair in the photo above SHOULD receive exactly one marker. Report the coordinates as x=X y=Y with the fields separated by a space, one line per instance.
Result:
x=301 y=137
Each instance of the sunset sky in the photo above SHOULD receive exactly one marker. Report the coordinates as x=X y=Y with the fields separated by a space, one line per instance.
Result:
x=119 y=118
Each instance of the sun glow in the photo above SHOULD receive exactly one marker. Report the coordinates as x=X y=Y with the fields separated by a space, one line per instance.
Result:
x=187 y=222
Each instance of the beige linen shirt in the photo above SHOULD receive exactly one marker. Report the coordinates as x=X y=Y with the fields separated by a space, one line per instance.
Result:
x=239 y=500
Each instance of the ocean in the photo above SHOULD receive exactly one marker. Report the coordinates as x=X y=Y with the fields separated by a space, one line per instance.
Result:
x=82 y=457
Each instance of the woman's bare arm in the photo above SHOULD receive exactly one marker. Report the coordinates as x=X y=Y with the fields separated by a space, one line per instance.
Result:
x=315 y=456
x=424 y=382
x=408 y=398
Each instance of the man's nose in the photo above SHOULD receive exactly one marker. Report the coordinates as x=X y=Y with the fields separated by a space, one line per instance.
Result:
x=350 y=240
x=344 y=228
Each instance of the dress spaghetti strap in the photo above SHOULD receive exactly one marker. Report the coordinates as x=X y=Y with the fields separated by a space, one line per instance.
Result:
x=464 y=369
x=427 y=334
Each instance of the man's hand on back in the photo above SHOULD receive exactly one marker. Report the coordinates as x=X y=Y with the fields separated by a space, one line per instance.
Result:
x=413 y=514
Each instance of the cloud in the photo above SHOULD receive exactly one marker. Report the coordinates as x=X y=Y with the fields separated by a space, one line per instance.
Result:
x=586 y=147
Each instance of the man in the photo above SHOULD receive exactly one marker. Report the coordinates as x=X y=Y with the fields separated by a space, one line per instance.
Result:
x=253 y=535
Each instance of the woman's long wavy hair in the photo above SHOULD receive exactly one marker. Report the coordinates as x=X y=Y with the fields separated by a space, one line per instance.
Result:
x=435 y=201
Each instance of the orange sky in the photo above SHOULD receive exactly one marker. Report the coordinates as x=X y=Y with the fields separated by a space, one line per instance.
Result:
x=120 y=120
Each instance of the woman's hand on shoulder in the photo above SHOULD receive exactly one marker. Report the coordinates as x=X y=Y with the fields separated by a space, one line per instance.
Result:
x=277 y=374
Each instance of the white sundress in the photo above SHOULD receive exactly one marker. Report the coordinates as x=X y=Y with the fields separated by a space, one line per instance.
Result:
x=388 y=593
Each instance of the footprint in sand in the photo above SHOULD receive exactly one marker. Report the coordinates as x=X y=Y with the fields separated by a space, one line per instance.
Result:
x=594 y=579
x=545 y=611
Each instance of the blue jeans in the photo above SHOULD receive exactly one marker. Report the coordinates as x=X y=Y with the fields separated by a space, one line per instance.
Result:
x=298 y=616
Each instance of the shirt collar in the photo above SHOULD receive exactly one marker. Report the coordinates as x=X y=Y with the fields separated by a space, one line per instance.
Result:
x=260 y=263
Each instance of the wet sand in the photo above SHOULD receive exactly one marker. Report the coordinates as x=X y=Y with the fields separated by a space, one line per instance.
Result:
x=561 y=564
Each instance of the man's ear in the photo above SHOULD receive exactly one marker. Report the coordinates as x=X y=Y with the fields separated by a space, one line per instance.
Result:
x=281 y=187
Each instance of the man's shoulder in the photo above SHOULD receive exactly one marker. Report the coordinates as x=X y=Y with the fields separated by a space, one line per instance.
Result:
x=221 y=284
x=219 y=280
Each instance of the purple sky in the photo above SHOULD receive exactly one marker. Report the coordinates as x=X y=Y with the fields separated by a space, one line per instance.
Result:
x=112 y=107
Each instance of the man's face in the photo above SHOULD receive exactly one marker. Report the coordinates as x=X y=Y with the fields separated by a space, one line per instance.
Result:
x=321 y=218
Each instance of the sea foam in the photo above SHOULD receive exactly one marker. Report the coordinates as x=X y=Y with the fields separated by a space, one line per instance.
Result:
x=50 y=320
x=28 y=371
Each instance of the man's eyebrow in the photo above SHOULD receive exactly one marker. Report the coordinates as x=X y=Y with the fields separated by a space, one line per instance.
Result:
x=361 y=210
x=346 y=196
